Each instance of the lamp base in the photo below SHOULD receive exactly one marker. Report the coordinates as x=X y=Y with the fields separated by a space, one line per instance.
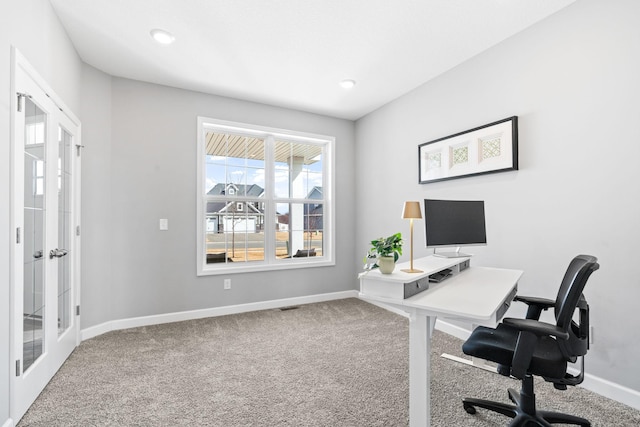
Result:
x=412 y=270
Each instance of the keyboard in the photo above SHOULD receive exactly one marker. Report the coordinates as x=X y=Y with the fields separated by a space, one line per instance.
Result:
x=440 y=275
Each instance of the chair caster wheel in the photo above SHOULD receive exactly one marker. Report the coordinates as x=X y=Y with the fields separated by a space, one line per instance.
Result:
x=470 y=409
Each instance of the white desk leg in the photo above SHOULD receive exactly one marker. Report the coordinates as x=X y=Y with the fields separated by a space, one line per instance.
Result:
x=432 y=327
x=420 y=327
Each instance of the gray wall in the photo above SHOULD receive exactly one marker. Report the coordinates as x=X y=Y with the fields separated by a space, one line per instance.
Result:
x=573 y=81
x=32 y=27
x=96 y=292
x=146 y=171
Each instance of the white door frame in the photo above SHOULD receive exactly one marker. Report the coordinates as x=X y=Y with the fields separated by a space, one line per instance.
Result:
x=48 y=365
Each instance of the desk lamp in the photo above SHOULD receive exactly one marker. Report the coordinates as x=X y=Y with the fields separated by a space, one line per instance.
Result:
x=411 y=211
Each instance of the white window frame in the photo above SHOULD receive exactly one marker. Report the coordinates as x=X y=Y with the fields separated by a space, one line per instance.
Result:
x=270 y=262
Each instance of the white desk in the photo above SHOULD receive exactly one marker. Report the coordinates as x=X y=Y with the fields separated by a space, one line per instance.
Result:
x=478 y=295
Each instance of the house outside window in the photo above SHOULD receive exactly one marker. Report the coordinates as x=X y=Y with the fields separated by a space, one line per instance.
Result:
x=264 y=198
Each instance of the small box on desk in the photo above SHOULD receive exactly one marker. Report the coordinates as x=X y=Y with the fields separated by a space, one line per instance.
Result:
x=464 y=265
x=401 y=285
x=413 y=288
x=393 y=289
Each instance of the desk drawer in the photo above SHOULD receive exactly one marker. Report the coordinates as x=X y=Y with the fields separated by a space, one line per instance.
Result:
x=506 y=304
x=413 y=288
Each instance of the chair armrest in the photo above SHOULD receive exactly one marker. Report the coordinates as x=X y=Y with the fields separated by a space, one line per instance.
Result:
x=542 y=302
x=536 y=327
x=536 y=305
x=530 y=331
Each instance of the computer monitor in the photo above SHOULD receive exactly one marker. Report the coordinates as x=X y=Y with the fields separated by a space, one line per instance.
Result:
x=454 y=223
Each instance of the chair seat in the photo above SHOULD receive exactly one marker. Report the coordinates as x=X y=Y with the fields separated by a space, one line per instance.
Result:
x=498 y=345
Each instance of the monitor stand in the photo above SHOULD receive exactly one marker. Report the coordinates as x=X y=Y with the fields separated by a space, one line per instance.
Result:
x=456 y=254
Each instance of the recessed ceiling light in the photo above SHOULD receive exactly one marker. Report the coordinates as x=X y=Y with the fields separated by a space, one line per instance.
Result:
x=348 y=83
x=162 y=36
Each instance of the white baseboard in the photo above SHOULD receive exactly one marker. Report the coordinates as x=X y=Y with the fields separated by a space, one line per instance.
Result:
x=8 y=423
x=135 y=322
x=592 y=383
x=611 y=390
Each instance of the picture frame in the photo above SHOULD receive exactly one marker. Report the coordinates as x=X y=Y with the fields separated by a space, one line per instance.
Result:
x=485 y=149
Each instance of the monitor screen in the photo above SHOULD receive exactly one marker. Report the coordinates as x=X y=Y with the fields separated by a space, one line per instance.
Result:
x=454 y=223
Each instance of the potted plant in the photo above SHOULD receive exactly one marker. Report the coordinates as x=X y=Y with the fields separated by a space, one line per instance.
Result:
x=387 y=250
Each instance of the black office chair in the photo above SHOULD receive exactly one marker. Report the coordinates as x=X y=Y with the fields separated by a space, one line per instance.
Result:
x=523 y=348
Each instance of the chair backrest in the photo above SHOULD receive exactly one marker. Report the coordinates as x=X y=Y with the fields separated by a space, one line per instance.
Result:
x=569 y=298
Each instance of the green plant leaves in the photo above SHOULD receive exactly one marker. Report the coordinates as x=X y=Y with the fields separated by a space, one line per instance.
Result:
x=388 y=246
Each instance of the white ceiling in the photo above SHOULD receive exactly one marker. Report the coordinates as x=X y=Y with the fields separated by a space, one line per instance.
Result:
x=293 y=53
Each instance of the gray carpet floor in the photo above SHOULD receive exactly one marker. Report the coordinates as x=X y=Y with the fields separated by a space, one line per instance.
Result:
x=338 y=363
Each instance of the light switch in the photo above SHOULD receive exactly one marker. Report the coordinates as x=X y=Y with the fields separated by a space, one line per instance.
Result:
x=164 y=224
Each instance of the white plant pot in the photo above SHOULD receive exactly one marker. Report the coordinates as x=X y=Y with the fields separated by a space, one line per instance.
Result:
x=386 y=264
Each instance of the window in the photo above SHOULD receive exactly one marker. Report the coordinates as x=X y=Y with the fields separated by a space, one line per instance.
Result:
x=264 y=198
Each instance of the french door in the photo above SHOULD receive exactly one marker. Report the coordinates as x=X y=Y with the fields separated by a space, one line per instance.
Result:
x=45 y=214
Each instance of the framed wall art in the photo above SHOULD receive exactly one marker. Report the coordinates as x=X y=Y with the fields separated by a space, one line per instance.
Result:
x=486 y=149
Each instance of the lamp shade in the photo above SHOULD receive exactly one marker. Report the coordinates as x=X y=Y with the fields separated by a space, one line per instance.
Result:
x=411 y=210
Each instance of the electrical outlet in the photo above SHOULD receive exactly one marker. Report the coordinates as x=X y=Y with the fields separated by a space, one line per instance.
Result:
x=227 y=283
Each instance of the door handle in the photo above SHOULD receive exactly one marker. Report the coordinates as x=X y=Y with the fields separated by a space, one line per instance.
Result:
x=58 y=253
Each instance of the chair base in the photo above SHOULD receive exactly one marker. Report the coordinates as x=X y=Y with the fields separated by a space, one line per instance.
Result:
x=524 y=411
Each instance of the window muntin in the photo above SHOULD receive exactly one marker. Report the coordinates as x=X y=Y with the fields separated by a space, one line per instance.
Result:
x=252 y=174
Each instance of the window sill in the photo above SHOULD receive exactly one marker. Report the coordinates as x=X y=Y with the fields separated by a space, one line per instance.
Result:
x=289 y=264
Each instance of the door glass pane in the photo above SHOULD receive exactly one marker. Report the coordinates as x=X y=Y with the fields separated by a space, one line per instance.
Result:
x=64 y=229
x=34 y=229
